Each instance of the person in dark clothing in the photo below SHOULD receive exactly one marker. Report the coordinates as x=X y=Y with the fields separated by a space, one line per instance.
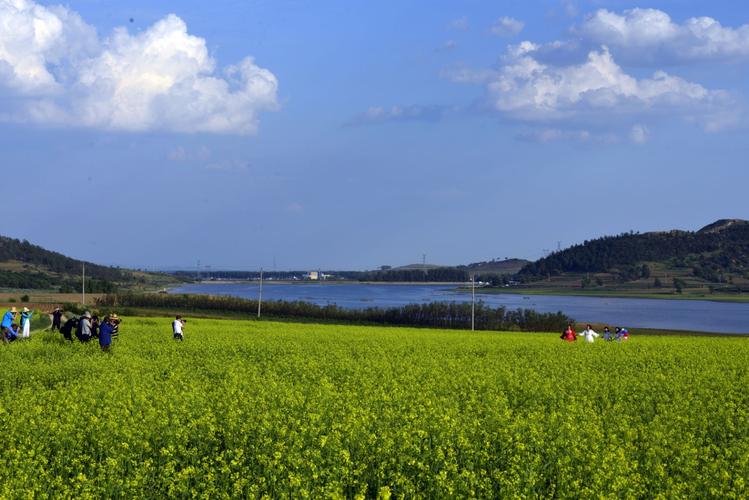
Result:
x=95 y=327
x=56 y=319
x=68 y=327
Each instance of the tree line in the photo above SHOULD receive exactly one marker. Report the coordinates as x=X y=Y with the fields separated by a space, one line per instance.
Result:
x=448 y=315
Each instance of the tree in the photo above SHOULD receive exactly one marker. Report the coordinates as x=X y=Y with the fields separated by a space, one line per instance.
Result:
x=645 y=271
x=657 y=283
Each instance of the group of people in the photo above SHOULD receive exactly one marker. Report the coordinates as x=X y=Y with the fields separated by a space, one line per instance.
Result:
x=88 y=327
x=12 y=330
x=590 y=335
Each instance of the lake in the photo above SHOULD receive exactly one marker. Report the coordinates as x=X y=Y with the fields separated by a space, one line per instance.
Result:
x=694 y=315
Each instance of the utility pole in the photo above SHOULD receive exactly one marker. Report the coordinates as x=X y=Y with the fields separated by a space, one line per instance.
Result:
x=423 y=259
x=198 y=270
x=260 y=296
x=473 y=302
x=83 y=285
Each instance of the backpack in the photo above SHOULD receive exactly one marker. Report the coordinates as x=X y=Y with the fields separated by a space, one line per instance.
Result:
x=67 y=328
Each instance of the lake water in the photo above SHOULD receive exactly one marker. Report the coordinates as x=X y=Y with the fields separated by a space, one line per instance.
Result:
x=694 y=315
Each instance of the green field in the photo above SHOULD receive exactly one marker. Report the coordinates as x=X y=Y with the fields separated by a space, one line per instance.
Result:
x=301 y=410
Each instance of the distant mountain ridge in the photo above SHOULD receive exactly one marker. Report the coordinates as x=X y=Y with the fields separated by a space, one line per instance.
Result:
x=25 y=265
x=717 y=253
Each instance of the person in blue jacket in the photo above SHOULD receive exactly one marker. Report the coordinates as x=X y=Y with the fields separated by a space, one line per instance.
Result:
x=7 y=322
x=105 y=334
x=12 y=333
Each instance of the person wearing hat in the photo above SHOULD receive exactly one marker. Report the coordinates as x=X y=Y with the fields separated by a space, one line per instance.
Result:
x=115 y=321
x=7 y=322
x=84 y=327
x=56 y=319
x=26 y=315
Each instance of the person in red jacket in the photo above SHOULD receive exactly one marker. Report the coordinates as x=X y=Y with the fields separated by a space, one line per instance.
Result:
x=569 y=334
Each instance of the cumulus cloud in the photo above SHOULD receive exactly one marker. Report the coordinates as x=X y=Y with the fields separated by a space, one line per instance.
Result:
x=651 y=36
x=597 y=89
x=57 y=71
x=507 y=26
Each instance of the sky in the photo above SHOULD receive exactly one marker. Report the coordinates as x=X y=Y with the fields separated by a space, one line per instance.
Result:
x=351 y=134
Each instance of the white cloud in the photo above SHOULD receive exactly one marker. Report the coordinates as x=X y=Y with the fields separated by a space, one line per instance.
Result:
x=58 y=72
x=460 y=73
x=507 y=26
x=639 y=134
x=229 y=166
x=546 y=135
x=413 y=112
x=651 y=36
x=595 y=90
x=459 y=24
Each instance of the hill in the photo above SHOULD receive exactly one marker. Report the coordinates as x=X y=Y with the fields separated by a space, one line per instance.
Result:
x=715 y=257
x=497 y=267
x=28 y=266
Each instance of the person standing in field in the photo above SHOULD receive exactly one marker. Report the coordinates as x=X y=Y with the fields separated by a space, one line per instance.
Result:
x=606 y=333
x=115 y=322
x=84 y=327
x=569 y=334
x=177 y=326
x=622 y=334
x=26 y=322
x=105 y=334
x=95 y=326
x=589 y=334
x=56 y=319
x=7 y=322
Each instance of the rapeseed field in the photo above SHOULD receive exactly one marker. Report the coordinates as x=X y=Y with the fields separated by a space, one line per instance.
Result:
x=252 y=409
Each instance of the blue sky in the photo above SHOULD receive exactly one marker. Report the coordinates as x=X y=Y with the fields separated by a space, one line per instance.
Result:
x=352 y=134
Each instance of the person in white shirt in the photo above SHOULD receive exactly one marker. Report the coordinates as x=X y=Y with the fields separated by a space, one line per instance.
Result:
x=177 y=325
x=589 y=334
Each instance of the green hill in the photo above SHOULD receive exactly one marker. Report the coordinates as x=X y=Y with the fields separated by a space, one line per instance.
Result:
x=497 y=267
x=24 y=265
x=714 y=258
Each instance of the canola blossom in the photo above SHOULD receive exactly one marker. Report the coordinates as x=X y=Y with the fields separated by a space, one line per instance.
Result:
x=252 y=409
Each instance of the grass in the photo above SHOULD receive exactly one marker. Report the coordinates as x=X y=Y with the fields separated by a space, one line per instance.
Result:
x=254 y=408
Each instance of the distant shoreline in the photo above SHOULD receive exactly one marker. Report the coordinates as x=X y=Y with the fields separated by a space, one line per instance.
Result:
x=736 y=299
x=324 y=282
